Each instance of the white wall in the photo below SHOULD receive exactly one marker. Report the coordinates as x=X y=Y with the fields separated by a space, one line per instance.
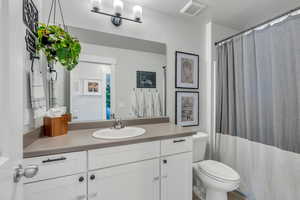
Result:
x=3 y=18
x=178 y=34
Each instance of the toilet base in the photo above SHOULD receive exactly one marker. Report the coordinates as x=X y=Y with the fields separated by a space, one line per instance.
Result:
x=212 y=194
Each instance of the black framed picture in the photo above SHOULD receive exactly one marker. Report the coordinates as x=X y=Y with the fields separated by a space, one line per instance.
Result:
x=145 y=79
x=187 y=108
x=186 y=70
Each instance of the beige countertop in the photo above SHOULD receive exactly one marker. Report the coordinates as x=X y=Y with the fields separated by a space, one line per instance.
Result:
x=82 y=140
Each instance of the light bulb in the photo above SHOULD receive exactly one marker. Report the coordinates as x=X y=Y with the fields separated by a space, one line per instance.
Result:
x=118 y=7
x=96 y=4
x=137 y=12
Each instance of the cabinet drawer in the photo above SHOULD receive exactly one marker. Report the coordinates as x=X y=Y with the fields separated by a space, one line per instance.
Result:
x=176 y=145
x=57 y=165
x=64 y=188
x=102 y=158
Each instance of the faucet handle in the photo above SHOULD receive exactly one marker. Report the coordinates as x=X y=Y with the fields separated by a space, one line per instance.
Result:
x=118 y=124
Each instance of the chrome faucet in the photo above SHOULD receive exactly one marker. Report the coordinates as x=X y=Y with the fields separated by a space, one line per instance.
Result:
x=118 y=124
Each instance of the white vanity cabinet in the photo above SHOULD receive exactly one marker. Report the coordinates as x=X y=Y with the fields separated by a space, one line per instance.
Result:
x=176 y=177
x=176 y=168
x=63 y=188
x=158 y=170
x=136 y=181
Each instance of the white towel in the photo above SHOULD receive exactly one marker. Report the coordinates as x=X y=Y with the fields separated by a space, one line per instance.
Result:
x=140 y=103
x=149 y=103
x=38 y=100
x=134 y=104
x=156 y=104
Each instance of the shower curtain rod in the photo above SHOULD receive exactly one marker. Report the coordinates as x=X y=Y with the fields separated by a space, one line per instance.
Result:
x=254 y=27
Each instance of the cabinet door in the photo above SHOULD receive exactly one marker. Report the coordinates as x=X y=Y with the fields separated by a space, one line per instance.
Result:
x=137 y=181
x=176 y=177
x=65 y=188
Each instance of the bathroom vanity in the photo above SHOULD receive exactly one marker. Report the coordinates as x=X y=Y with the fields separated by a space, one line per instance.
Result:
x=154 y=166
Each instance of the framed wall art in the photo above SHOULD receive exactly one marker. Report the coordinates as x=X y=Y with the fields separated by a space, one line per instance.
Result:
x=187 y=108
x=92 y=87
x=145 y=79
x=187 y=70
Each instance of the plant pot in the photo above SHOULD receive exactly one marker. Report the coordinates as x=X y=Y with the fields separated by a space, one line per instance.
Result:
x=45 y=41
x=58 y=45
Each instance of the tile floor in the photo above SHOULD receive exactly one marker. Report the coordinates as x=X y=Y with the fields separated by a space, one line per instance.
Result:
x=235 y=196
x=231 y=196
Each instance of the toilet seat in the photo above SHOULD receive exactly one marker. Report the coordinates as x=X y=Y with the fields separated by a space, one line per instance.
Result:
x=218 y=171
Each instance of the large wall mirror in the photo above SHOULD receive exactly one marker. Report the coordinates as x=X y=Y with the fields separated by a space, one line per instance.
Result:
x=117 y=76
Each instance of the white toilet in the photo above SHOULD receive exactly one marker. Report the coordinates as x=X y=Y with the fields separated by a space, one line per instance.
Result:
x=217 y=178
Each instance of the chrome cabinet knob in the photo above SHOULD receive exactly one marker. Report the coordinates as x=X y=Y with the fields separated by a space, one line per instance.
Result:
x=29 y=172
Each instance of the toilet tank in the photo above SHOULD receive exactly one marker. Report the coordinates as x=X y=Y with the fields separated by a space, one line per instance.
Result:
x=199 y=146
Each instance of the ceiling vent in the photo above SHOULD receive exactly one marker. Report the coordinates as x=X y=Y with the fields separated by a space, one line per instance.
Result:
x=193 y=8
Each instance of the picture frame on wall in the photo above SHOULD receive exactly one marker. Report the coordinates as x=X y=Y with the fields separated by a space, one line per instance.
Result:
x=145 y=79
x=187 y=108
x=92 y=87
x=186 y=70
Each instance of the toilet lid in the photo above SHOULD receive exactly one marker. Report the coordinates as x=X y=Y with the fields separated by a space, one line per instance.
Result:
x=219 y=170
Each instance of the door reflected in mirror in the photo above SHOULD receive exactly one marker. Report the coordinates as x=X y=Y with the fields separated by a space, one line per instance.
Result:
x=90 y=91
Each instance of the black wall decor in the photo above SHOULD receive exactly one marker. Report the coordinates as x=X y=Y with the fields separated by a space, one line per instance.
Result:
x=30 y=16
x=30 y=19
x=30 y=42
x=145 y=79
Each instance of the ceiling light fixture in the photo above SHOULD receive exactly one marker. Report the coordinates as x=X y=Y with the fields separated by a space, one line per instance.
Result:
x=96 y=4
x=137 y=12
x=118 y=7
x=117 y=16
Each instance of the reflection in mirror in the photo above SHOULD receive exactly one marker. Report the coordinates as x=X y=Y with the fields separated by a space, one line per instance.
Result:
x=90 y=91
x=116 y=76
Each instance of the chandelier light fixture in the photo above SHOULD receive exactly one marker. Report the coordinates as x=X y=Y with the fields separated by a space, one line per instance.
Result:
x=117 y=15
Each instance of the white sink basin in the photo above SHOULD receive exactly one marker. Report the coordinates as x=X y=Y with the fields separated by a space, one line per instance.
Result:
x=112 y=134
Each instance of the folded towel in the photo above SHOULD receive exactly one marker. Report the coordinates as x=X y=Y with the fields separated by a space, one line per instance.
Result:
x=38 y=100
x=134 y=104
x=148 y=104
x=156 y=104
x=140 y=103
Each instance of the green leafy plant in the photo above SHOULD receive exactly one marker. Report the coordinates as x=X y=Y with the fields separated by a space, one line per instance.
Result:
x=58 y=45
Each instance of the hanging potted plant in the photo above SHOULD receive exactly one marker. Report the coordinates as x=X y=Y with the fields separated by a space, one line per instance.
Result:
x=58 y=45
